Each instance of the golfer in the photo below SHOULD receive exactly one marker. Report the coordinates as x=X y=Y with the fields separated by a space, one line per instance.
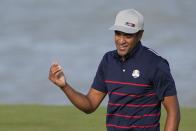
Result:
x=136 y=79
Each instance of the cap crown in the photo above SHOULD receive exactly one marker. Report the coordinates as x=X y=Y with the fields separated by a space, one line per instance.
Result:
x=128 y=21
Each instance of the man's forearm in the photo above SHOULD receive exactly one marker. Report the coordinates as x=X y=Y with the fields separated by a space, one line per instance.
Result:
x=87 y=103
x=78 y=99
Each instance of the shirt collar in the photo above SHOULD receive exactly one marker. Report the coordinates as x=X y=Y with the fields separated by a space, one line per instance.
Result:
x=130 y=54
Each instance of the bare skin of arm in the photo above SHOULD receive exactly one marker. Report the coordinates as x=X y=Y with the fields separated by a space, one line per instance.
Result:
x=86 y=103
x=173 y=113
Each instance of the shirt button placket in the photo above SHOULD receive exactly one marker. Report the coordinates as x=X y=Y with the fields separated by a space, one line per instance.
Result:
x=124 y=71
x=123 y=67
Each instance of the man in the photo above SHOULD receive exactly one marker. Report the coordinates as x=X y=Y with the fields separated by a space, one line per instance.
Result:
x=136 y=79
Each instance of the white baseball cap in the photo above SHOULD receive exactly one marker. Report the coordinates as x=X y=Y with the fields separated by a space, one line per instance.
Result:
x=129 y=21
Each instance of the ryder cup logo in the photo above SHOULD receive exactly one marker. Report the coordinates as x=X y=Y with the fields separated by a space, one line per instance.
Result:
x=136 y=73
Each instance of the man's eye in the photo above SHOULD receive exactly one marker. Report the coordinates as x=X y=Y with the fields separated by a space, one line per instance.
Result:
x=129 y=36
x=117 y=33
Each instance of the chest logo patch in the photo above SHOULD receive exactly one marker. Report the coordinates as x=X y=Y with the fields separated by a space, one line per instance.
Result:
x=136 y=73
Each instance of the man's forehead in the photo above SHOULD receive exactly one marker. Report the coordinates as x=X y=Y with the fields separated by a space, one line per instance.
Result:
x=123 y=33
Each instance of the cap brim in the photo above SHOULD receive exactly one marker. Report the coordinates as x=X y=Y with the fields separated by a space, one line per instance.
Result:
x=124 y=29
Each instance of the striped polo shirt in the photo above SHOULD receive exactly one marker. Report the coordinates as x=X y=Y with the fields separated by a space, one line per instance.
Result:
x=136 y=87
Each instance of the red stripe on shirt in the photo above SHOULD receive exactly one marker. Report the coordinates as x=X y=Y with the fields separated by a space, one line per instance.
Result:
x=133 y=105
x=131 y=95
x=133 y=126
x=127 y=83
x=136 y=117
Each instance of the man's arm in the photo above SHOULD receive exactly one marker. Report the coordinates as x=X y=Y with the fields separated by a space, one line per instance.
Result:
x=86 y=103
x=173 y=113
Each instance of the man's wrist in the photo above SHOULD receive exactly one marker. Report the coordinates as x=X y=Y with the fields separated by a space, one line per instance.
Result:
x=64 y=86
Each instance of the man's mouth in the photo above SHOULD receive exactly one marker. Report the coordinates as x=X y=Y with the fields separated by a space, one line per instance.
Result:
x=122 y=47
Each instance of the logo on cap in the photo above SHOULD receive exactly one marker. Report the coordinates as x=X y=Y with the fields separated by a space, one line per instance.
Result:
x=136 y=73
x=129 y=24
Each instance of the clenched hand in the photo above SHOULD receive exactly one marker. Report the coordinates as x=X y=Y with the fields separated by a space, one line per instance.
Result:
x=57 y=76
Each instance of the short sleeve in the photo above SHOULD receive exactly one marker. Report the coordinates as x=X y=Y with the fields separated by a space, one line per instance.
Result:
x=99 y=80
x=163 y=81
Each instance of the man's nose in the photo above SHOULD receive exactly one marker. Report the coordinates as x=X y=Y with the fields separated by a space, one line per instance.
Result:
x=122 y=39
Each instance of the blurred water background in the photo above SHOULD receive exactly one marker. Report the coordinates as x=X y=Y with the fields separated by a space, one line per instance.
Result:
x=34 y=33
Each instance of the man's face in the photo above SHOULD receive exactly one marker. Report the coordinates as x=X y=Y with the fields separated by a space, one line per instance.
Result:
x=126 y=42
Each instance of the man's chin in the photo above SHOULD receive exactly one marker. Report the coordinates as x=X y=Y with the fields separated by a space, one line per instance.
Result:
x=122 y=53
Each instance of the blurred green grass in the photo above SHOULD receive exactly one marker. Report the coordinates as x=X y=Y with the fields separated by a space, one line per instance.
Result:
x=68 y=118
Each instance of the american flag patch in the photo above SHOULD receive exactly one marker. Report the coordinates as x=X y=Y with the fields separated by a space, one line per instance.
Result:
x=129 y=24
